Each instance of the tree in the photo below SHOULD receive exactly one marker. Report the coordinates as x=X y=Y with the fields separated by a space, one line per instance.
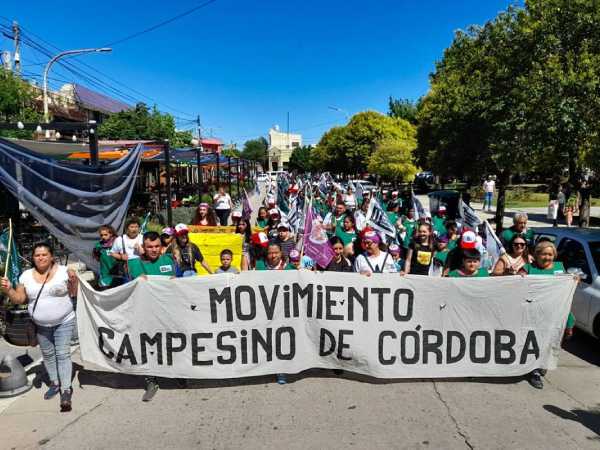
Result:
x=139 y=123
x=17 y=103
x=347 y=149
x=393 y=159
x=402 y=109
x=181 y=139
x=233 y=152
x=300 y=159
x=256 y=150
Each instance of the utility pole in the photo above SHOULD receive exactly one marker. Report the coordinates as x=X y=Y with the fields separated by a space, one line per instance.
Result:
x=198 y=154
x=17 y=39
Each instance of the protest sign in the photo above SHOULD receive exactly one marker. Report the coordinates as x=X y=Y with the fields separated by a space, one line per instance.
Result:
x=258 y=323
x=211 y=245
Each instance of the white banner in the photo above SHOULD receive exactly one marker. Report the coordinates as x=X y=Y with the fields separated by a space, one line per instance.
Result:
x=386 y=326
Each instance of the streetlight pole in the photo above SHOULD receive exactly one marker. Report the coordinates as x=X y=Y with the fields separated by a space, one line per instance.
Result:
x=56 y=58
x=343 y=111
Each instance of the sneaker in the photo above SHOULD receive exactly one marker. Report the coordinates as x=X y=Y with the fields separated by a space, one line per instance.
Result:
x=65 y=400
x=52 y=391
x=151 y=389
x=281 y=378
x=535 y=379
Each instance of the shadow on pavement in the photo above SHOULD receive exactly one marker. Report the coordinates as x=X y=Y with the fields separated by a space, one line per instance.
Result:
x=124 y=381
x=584 y=347
x=588 y=418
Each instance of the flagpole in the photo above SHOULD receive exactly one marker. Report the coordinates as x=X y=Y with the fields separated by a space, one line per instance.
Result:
x=304 y=232
x=10 y=234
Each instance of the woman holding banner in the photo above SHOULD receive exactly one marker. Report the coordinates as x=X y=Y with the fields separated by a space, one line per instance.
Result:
x=48 y=288
x=544 y=263
x=339 y=263
x=373 y=260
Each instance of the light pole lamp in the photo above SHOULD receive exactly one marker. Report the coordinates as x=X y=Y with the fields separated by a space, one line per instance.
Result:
x=56 y=58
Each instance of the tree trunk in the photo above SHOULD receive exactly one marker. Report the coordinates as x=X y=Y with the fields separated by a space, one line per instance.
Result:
x=501 y=202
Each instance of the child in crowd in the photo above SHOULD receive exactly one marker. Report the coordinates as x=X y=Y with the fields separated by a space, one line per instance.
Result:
x=471 y=265
x=394 y=251
x=226 y=267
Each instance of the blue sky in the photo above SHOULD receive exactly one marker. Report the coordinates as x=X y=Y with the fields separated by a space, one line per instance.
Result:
x=242 y=65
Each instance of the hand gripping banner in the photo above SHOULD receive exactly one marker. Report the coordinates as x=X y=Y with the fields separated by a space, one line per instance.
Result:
x=229 y=326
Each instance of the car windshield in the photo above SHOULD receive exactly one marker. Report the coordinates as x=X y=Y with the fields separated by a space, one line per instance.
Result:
x=595 y=250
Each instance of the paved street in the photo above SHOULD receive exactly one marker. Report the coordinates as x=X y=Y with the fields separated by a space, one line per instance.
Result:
x=319 y=410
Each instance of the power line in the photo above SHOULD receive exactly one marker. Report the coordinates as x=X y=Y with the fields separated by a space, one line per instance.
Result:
x=78 y=71
x=161 y=24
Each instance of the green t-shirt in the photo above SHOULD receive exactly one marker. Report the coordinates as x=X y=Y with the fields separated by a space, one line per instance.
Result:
x=556 y=269
x=480 y=273
x=262 y=265
x=262 y=222
x=107 y=262
x=347 y=238
x=509 y=233
x=452 y=244
x=393 y=217
x=441 y=256
x=409 y=226
x=164 y=265
x=439 y=224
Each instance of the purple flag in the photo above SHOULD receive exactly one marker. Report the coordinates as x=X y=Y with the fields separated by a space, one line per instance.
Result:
x=246 y=208
x=316 y=243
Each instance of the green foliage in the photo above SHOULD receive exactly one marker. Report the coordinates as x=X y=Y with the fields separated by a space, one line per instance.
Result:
x=393 y=159
x=139 y=123
x=402 y=109
x=233 y=152
x=181 y=139
x=16 y=103
x=256 y=150
x=348 y=149
x=300 y=159
x=516 y=95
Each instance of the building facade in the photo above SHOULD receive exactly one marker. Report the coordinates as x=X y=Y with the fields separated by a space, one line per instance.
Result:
x=281 y=146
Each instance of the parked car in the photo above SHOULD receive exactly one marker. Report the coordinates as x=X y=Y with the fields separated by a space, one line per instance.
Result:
x=262 y=177
x=579 y=249
x=366 y=185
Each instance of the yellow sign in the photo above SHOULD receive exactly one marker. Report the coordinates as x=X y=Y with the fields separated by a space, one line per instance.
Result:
x=211 y=245
x=210 y=229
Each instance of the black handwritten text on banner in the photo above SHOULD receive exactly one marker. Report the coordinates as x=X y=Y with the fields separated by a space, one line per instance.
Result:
x=386 y=326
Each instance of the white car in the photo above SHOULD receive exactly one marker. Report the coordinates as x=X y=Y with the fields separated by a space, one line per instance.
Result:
x=579 y=249
x=262 y=177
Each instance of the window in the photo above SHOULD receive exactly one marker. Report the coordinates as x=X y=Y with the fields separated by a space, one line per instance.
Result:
x=295 y=144
x=595 y=251
x=572 y=254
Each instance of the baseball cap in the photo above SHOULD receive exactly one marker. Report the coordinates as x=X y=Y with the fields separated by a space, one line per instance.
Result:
x=273 y=212
x=395 y=194
x=203 y=205
x=168 y=231
x=236 y=214
x=259 y=239
x=442 y=209
x=468 y=240
x=371 y=236
x=283 y=225
x=394 y=249
x=294 y=255
x=181 y=228
x=271 y=200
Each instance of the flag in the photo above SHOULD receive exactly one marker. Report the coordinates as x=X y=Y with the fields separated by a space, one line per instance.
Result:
x=296 y=215
x=323 y=185
x=468 y=215
x=419 y=210
x=246 y=208
x=144 y=225
x=379 y=220
x=493 y=247
x=282 y=187
x=358 y=192
x=315 y=243
x=13 y=270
